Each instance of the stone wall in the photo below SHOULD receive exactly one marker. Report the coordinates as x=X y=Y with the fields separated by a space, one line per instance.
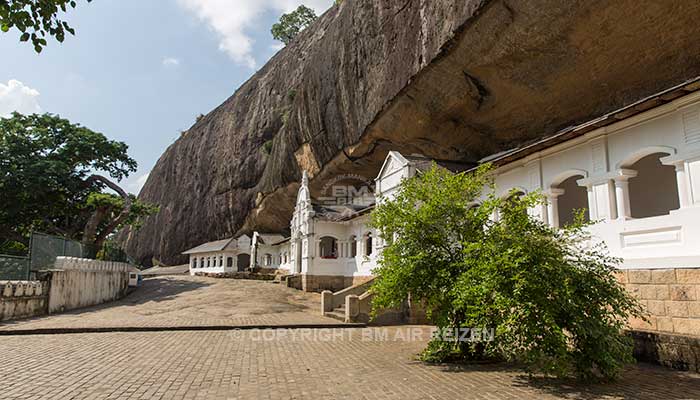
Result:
x=669 y=295
x=20 y=299
x=671 y=337
x=77 y=283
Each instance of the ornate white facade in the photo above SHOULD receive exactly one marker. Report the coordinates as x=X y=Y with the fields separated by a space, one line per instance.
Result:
x=638 y=177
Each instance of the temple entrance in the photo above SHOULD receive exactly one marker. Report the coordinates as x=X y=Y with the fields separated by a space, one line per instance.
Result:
x=243 y=262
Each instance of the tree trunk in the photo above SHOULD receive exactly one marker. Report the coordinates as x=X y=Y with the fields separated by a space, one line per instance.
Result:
x=91 y=236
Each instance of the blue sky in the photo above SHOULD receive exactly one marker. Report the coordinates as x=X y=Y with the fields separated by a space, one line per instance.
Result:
x=140 y=71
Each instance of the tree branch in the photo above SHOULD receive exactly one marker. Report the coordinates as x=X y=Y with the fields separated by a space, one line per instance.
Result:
x=112 y=226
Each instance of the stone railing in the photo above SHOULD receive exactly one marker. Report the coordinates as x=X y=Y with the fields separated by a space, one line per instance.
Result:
x=359 y=309
x=294 y=281
x=331 y=301
x=22 y=299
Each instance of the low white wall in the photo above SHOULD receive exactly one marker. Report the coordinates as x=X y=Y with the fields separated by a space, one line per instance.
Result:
x=22 y=299
x=77 y=283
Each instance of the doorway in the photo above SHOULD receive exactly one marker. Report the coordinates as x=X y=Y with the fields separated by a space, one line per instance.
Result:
x=243 y=262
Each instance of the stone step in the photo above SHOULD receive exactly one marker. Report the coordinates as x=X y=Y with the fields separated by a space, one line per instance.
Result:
x=336 y=315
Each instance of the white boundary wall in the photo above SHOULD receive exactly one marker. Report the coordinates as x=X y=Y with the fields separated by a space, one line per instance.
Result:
x=77 y=283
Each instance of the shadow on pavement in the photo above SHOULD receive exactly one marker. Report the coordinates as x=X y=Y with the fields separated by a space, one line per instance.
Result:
x=639 y=382
x=158 y=290
x=152 y=290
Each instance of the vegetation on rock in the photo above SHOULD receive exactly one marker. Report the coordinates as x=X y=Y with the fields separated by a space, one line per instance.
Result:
x=552 y=301
x=292 y=23
x=267 y=147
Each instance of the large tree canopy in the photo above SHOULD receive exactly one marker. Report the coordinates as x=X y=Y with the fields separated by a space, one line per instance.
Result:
x=292 y=23
x=482 y=262
x=49 y=181
x=36 y=19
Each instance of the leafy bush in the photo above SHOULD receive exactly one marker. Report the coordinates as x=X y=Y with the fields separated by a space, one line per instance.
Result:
x=554 y=303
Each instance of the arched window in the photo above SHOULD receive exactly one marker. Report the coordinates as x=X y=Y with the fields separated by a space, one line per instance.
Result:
x=267 y=260
x=329 y=247
x=654 y=191
x=572 y=199
x=353 y=246
x=369 y=244
x=229 y=262
x=193 y=263
x=201 y=262
x=221 y=261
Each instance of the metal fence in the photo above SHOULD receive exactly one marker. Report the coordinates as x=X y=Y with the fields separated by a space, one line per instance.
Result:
x=13 y=268
x=43 y=250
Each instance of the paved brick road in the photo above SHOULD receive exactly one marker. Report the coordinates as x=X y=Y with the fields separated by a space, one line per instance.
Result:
x=242 y=365
x=282 y=364
x=193 y=301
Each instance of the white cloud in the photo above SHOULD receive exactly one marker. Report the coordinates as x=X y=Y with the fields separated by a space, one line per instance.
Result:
x=233 y=20
x=171 y=62
x=134 y=184
x=277 y=47
x=16 y=96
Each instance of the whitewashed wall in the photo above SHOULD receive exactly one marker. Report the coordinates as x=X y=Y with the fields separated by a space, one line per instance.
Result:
x=77 y=283
x=200 y=263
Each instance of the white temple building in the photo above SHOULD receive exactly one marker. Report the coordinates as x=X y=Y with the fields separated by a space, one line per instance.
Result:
x=635 y=171
x=222 y=256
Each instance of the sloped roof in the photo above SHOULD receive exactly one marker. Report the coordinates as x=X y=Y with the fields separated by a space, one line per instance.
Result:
x=283 y=241
x=340 y=213
x=218 y=245
x=269 y=238
x=422 y=163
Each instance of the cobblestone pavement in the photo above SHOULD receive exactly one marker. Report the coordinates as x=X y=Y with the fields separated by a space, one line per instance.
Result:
x=297 y=364
x=185 y=301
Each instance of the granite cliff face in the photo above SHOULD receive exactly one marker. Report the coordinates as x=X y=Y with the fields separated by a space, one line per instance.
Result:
x=450 y=79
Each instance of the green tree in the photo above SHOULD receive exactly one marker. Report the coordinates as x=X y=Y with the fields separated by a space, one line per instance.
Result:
x=292 y=23
x=47 y=181
x=554 y=304
x=36 y=19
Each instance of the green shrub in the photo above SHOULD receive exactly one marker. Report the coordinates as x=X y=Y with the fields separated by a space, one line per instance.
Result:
x=267 y=147
x=553 y=303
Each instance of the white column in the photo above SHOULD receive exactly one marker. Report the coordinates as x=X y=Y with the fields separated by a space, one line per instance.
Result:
x=682 y=180
x=553 y=206
x=622 y=193
x=592 y=207
x=612 y=202
x=622 y=199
